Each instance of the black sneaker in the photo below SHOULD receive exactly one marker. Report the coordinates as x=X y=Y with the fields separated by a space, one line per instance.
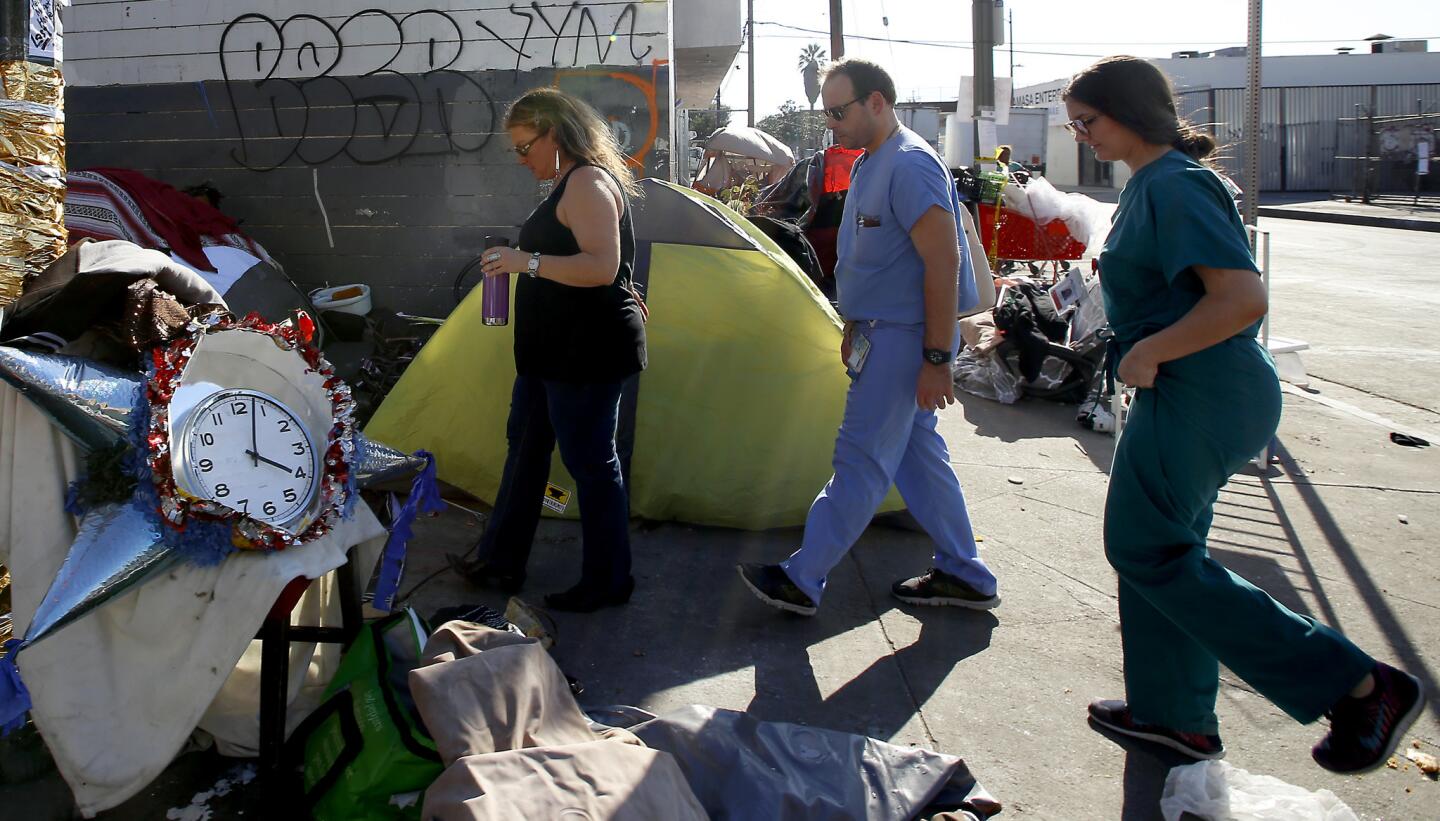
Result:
x=1115 y=715
x=1364 y=732
x=938 y=588
x=771 y=584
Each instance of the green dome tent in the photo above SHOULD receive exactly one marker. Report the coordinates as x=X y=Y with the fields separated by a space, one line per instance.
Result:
x=735 y=418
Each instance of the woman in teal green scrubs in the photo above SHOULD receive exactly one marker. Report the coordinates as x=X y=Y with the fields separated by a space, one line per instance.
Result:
x=1185 y=302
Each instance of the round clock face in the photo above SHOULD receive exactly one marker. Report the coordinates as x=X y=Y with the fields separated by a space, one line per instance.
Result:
x=250 y=453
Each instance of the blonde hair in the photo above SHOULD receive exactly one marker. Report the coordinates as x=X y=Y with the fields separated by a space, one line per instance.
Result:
x=578 y=129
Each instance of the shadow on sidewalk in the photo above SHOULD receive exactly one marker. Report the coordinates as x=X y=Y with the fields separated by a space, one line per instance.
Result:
x=1035 y=419
x=1405 y=653
x=693 y=624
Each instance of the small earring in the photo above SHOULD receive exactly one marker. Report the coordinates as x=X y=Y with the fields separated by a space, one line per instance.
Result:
x=557 y=159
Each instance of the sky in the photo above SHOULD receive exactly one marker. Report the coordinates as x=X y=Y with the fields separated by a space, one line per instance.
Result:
x=1052 y=38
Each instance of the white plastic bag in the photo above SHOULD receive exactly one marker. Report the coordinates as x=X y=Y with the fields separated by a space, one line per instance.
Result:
x=1216 y=791
x=985 y=376
x=1086 y=219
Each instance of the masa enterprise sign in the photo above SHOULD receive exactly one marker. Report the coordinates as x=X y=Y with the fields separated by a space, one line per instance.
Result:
x=1045 y=95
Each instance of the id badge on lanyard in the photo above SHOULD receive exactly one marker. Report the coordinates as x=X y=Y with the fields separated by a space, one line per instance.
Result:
x=859 y=350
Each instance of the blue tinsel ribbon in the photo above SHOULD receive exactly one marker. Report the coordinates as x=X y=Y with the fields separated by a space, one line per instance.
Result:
x=14 y=698
x=424 y=498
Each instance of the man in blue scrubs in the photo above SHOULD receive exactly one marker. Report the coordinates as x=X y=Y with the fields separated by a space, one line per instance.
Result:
x=903 y=275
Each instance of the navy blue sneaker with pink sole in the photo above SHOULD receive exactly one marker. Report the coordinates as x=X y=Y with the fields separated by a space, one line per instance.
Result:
x=1364 y=732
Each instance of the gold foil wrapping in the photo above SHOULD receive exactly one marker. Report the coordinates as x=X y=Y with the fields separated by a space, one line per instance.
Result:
x=32 y=83
x=32 y=173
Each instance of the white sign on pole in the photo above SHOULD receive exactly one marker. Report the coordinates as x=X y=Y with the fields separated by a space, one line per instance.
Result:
x=43 y=37
x=989 y=141
x=965 y=106
x=1002 y=100
x=1422 y=157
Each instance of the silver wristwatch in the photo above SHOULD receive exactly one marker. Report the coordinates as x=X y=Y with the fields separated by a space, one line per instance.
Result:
x=533 y=266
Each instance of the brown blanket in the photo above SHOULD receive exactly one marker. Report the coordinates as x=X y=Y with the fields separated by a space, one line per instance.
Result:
x=517 y=744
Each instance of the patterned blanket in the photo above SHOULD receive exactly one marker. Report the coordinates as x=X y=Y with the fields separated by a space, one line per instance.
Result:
x=98 y=207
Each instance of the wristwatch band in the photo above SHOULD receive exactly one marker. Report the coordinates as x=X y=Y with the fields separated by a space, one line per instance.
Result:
x=937 y=356
x=533 y=266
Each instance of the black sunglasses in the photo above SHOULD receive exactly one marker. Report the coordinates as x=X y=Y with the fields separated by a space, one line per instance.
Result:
x=524 y=149
x=837 y=113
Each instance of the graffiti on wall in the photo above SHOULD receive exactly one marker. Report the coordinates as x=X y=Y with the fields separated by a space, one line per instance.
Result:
x=379 y=86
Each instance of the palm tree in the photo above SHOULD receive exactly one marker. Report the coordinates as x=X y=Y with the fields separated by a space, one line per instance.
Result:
x=812 y=59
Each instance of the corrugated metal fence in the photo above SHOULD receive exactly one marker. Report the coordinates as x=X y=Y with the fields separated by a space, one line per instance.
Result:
x=1299 y=128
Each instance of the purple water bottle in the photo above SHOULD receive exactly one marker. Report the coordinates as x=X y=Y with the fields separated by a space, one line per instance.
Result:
x=495 y=290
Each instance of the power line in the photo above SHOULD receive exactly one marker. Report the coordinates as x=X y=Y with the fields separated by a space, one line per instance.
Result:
x=1183 y=42
x=952 y=44
x=966 y=45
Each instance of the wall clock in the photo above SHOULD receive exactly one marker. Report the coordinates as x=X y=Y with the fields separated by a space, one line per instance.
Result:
x=246 y=450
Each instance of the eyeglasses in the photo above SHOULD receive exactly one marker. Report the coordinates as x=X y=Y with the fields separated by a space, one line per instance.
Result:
x=837 y=113
x=1081 y=125
x=524 y=149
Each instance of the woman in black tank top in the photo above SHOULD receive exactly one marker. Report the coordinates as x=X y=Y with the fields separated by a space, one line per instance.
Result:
x=579 y=334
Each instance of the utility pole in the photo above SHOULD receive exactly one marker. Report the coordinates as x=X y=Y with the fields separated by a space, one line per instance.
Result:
x=1252 y=119
x=1010 y=14
x=750 y=98
x=837 y=31
x=982 y=19
x=982 y=32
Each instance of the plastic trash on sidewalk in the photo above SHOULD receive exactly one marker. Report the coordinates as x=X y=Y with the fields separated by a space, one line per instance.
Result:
x=984 y=375
x=1216 y=791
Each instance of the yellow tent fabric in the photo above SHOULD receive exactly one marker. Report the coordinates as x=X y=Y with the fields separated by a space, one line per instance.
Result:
x=737 y=412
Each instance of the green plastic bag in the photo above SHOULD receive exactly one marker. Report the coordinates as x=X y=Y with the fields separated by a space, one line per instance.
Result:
x=366 y=745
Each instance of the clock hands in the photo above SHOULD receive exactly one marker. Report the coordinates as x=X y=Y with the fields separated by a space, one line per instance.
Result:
x=254 y=441
x=253 y=455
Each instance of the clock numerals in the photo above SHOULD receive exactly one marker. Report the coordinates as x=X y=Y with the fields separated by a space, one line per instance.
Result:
x=230 y=461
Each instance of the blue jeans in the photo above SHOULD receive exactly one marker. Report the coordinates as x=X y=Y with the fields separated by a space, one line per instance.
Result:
x=886 y=438
x=581 y=417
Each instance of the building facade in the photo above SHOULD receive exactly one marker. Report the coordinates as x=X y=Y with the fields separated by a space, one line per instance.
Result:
x=365 y=145
x=1304 y=99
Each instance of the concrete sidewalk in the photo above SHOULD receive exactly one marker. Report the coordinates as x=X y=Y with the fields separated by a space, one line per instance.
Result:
x=1392 y=212
x=1007 y=690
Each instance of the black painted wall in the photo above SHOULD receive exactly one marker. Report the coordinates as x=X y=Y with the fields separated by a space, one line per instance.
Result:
x=413 y=170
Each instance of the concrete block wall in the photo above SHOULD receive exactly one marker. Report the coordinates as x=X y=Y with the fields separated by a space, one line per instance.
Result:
x=392 y=123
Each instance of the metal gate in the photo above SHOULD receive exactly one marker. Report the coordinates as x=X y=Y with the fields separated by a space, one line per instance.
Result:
x=1303 y=131
x=1386 y=157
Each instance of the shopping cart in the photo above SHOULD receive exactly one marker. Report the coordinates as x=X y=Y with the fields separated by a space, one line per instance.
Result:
x=1012 y=238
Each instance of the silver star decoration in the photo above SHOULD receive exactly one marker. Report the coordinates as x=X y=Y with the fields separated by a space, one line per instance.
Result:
x=117 y=546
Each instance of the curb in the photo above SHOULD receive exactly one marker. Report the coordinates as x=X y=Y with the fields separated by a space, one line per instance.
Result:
x=1350 y=219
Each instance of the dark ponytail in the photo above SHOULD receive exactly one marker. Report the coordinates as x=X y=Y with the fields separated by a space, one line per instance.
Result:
x=1139 y=96
x=1194 y=142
